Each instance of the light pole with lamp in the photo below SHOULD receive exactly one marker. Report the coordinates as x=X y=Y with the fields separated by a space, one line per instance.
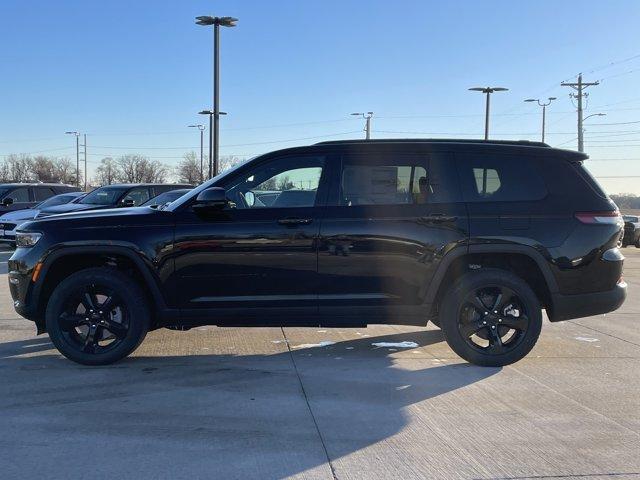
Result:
x=367 y=116
x=488 y=91
x=201 y=128
x=214 y=142
x=544 y=106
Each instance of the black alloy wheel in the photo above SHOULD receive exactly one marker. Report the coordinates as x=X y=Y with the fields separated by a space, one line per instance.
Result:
x=97 y=316
x=491 y=317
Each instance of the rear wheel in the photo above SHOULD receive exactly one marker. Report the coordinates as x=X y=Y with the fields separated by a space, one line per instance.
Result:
x=97 y=316
x=491 y=317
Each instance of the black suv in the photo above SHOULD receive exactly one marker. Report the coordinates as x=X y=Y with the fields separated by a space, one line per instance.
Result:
x=475 y=236
x=20 y=196
x=117 y=195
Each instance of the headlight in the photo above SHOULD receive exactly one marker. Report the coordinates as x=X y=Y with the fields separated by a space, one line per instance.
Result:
x=27 y=239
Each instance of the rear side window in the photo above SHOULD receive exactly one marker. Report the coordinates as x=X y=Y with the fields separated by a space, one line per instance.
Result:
x=42 y=193
x=383 y=185
x=409 y=179
x=500 y=178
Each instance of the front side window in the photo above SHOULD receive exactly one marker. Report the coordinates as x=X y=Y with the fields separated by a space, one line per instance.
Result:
x=383 y=185
x=282 y=183
x=19 y=195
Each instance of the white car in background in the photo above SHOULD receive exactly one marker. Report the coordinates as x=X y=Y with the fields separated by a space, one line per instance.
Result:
x=12 y=220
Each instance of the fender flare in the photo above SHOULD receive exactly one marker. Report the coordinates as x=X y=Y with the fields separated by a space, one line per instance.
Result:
x=152 y=282
x=458 y=252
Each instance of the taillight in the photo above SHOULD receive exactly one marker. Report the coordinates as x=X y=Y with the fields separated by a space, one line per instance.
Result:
x=611 y=218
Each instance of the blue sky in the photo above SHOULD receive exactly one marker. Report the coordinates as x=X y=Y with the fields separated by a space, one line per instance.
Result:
x=133 y=74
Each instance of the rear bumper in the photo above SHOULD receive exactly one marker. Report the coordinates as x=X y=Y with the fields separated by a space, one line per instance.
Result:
x=566 y=307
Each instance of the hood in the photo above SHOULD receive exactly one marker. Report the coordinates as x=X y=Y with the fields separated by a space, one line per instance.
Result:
x=26 y=214
x=105 y=217
x=72 y=207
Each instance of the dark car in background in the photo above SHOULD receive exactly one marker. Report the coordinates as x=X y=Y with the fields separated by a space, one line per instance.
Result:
x=165 y=198
x=19 y=196
x=631 y=231
x=112 y=196
x=12 y=220
x=477 y=237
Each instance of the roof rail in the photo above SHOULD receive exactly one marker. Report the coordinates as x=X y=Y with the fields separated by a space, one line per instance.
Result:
x=438 y=140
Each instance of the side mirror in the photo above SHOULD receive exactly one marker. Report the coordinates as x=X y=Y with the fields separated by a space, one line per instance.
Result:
x=128 y=202
x=214 y=198
x=7 y=201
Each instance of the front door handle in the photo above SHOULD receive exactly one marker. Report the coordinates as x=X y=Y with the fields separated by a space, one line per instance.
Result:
x=439 y=218
x=290 y=222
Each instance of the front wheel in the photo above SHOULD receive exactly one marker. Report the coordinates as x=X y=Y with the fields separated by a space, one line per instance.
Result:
x=491 y=317
x=97 y=316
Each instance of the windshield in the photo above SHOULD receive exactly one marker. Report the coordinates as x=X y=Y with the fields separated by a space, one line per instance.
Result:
x=166 y=197
x=57 y=200
x=104 y=196
x=209 y=183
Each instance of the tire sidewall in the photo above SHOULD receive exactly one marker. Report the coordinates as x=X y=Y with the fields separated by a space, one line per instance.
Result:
x=126 y=289
x=477 y=279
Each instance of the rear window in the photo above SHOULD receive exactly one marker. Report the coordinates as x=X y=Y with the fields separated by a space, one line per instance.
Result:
x=500 y=178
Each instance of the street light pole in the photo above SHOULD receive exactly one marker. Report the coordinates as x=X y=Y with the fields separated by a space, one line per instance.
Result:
x=201 y=128
x=77 y=135
x=214 y=130
x=581 y=138
x=488 y=91
x=367 y=116
x=544 y=106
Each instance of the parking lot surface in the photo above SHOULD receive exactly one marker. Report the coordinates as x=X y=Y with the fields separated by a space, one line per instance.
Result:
x=315 y=403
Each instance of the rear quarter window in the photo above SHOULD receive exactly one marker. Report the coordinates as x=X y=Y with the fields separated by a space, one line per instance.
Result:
x=589 y=179
x=500 y=178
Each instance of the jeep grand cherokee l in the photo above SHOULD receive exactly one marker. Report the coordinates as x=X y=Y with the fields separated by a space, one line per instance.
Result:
x=476 y=236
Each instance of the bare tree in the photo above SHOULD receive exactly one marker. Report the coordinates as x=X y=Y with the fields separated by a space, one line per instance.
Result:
x=65 y=171
x=19 y=167
x=43 y=169
x=107 y=171
x=188 y=169
x=228 y=161
x=134 y=168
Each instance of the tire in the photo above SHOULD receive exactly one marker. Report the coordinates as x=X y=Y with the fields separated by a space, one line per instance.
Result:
x=638 y=243
x=520 y=321
x=118 y=324
x=436 y=321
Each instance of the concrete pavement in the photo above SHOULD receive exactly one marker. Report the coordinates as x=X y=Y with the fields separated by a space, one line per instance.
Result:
x=269 y=403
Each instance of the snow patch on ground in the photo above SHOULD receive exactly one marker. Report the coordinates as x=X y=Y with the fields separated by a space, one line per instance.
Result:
x=587 y=339
x=326 y=343
x=395 y=345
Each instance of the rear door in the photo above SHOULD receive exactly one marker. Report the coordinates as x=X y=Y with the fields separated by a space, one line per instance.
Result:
x=391 y=218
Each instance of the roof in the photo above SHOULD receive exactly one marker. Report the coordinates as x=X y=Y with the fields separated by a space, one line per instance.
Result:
x=133 y=185
x=34 y=184
x=439 y=140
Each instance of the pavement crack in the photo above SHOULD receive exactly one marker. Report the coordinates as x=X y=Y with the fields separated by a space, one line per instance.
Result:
x=603 y=333
x=306 y=399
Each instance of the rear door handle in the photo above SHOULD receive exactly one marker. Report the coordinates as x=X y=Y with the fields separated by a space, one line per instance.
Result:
x=439 y=218
x=290 y=222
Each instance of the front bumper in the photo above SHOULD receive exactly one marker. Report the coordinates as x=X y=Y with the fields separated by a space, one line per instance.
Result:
x=566 y=307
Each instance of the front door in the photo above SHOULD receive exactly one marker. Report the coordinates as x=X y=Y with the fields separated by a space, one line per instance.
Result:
x=255 y=261
x=389 y=220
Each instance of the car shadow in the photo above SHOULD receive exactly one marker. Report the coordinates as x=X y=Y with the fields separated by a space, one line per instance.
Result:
x=218 y=416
